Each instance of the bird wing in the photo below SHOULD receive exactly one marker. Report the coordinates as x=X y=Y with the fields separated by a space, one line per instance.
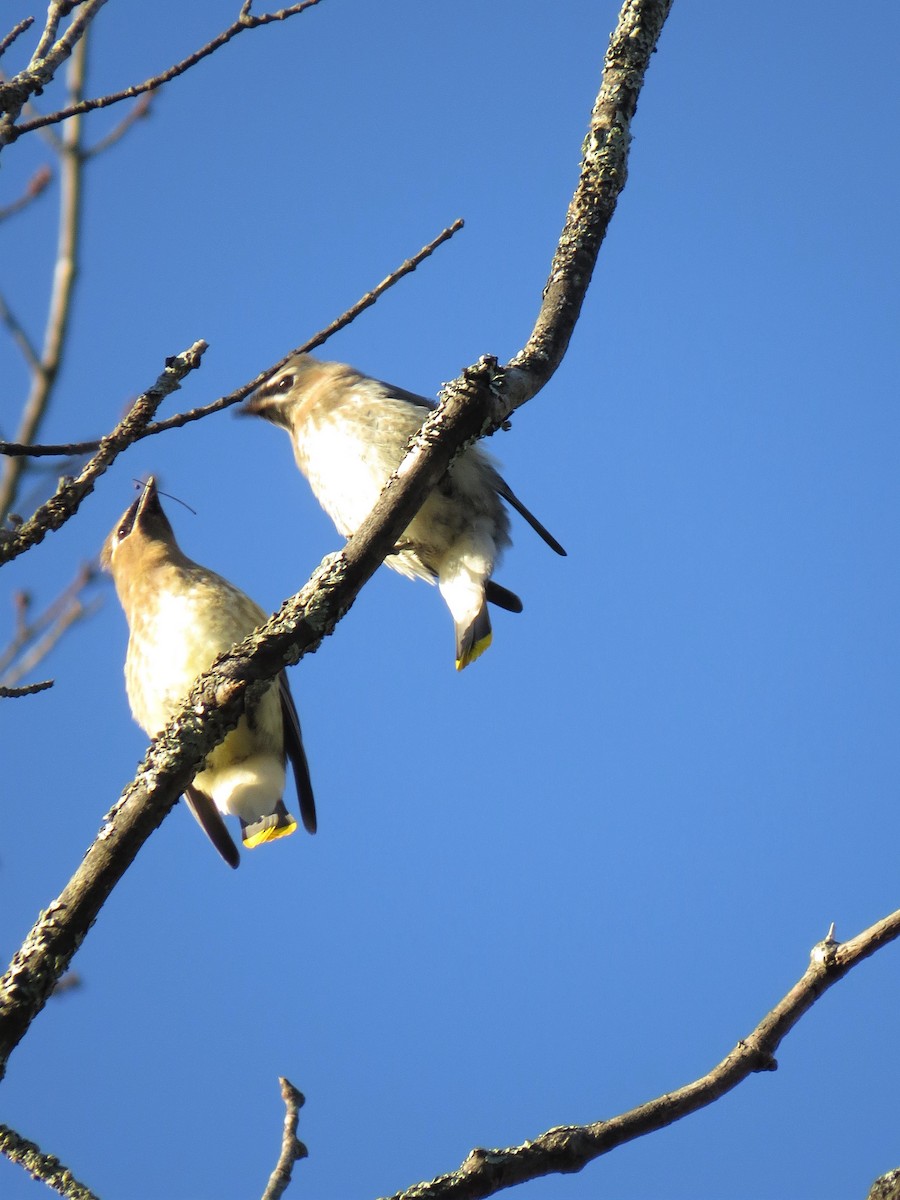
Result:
x=293 y=745
x=210 y=821
x=506 y=493
x=502 y=487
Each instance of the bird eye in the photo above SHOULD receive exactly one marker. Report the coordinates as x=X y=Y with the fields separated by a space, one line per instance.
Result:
x=122 y=531
x=285 y=383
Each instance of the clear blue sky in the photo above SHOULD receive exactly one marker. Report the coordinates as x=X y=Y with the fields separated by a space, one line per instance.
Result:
x=572 y=877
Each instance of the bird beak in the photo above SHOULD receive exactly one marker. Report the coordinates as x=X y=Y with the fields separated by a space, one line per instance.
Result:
x=266 y=405
x=147 y=502
x=149 y=494
x=253 y=406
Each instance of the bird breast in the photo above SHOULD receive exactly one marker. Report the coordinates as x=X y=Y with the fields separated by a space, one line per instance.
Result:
x=349 y=451
x=174 y=636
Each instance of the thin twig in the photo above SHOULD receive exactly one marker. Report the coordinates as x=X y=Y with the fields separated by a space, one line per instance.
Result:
x=16 y=449
x=137 y=113
x=70 y=493
x=244 y=21
x=217 y=700
x=20 y=337
x=568 y=1148
x=312 y=343
x=45 y=1167
x=65 y=273
x=36 y=184
x=16 y=31
x=292 y=1148
x=28 y=630
x=75 y=612
x=10 y=693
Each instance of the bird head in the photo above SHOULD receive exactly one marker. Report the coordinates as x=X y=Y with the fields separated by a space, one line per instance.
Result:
x=278 y=397
x=141 y=526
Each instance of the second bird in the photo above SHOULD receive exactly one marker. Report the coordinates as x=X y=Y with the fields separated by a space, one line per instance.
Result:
x=349 y=434
x=181 y=616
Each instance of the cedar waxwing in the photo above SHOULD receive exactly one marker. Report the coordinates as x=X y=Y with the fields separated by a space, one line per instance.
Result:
x=349 y=434
x=180 y=617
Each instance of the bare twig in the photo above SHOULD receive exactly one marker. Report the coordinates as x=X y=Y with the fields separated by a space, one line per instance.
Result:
x=45 y=371
x=8 y=693
x=70 y=493
x=568 y=1148
x=36 y=184
x=245 y=21
x=317 y=339
x=17 y=30
x=292 y=1148
x=217 y=700
x=75 y=611
x=14 y=449
x=137 y=113
x=20 y=337
x=59 y=613
x=39 y=1165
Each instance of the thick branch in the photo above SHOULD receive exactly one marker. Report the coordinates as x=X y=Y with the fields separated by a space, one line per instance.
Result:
x=216 y=702
x=45 y=62
x=568 y=1148
x=45 y=1167
x=59 y=508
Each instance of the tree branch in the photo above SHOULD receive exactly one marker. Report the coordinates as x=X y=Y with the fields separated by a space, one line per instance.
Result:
x=137 y=113
x=45 y=371
x=17 y=30
x=69 y=495
x=44 y=64
x=14 y=449
x=45 y=1167
x=475 y=403
x=10 y=693
x=244 y=21
x=36 y=184
x=292 y=1148
x=568 y=1148
x=57 y=616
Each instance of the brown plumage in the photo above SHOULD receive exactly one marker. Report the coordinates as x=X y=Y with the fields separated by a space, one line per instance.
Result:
x=181 y=616
x=349 y=434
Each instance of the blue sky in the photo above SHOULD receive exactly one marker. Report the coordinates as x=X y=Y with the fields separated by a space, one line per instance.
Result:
x=573 y=876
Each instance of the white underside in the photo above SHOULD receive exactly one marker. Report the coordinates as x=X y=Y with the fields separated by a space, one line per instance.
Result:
x=248 y=789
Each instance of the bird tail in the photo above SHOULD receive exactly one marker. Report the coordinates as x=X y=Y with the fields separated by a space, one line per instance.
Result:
x=502 y=597
x=210 y=820
x=274 y=825
x=473 y=636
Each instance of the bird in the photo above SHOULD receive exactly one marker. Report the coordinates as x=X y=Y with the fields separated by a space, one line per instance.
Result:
x=349 y=433
x=181 y=616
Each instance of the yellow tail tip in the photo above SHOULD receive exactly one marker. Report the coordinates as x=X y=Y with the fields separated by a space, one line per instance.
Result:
x=271 y=834
x=478 y=648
